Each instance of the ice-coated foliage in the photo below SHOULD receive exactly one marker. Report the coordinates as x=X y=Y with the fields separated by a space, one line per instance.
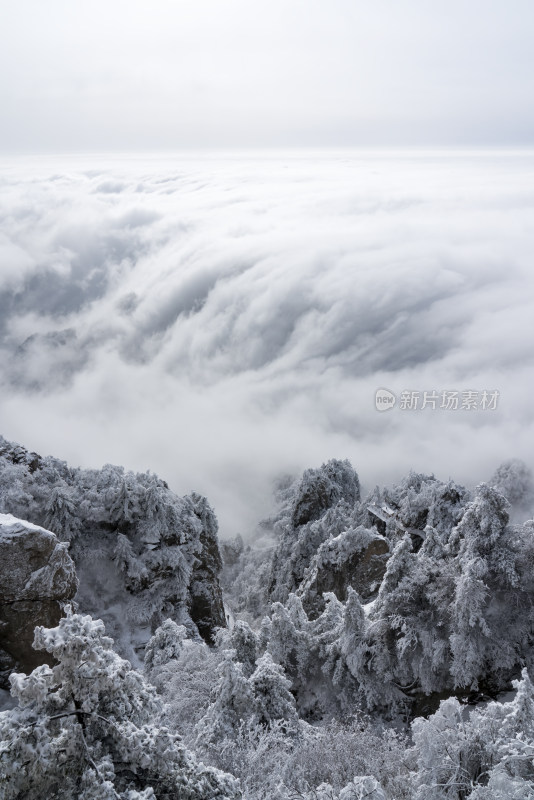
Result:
x=481 y=755
x=186 y=682
x=321 y=489
x=233 y=703
x=321 y=501
x=362 y=787
x=142 y=553
x=485 y=641
x=262 y=699
x=330 y=755
x=165 y=645
x=91 y=727
x=272 y=762
x=440 y=623
x=273 y=702
x=421 y=500
x=309 y=651
x=325 y=658
x=245 y=643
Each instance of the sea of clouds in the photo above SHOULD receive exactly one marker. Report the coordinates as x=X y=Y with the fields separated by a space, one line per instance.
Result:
x=224 y=320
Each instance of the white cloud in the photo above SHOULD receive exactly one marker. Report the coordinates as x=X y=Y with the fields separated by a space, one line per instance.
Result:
x=224 y=320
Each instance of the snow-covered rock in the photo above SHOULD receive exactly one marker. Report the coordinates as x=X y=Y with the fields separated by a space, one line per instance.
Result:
x=318 y=506
x=206 y=605
x=356 y=558
x=142 y=553
x=36 y=576
x=320 y=489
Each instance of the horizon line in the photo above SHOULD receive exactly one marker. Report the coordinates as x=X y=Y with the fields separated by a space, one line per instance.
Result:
x=269 y=150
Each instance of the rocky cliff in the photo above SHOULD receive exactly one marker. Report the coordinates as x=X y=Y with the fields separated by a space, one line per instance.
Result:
x=142 y=553
x=37 y=576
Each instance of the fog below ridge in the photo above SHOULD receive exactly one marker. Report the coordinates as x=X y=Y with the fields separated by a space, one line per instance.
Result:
x=222 y=320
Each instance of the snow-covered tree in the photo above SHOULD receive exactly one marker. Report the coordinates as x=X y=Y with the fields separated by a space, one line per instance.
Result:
x=482 y=642
x=88 y=727
x=142 y=554
x=130 y=563
x=362 y=787
x=165 y=645
x=61 y=513
x=233 y=703
x=244 y=642
x=345 y=663
x=186 y=682
x=271 y=694
x=262 y=699
x=481 y=755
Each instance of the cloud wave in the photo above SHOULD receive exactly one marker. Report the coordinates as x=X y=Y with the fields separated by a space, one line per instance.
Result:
x=221 y=320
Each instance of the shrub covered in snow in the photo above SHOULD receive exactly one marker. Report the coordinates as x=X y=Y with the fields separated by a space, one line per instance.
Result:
x=90 y=727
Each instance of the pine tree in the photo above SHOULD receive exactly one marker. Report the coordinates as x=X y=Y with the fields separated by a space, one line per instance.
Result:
x=233 y=703
x=129 y=563
x=486 y=578
x=61 y=513
x=244 y=641
x=273 y=700
x=165 y=645
x=90 y=727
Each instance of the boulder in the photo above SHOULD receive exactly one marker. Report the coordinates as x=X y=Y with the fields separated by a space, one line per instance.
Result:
x=37 y=575
x=356 y=558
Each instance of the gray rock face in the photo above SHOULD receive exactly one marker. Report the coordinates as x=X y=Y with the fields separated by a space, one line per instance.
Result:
x=356 y=558
x=206 y=605
x=142 y=553
x=318 y=506
x=36 y=576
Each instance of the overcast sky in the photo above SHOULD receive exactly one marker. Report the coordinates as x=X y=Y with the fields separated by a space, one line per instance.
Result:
x=117 y=75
